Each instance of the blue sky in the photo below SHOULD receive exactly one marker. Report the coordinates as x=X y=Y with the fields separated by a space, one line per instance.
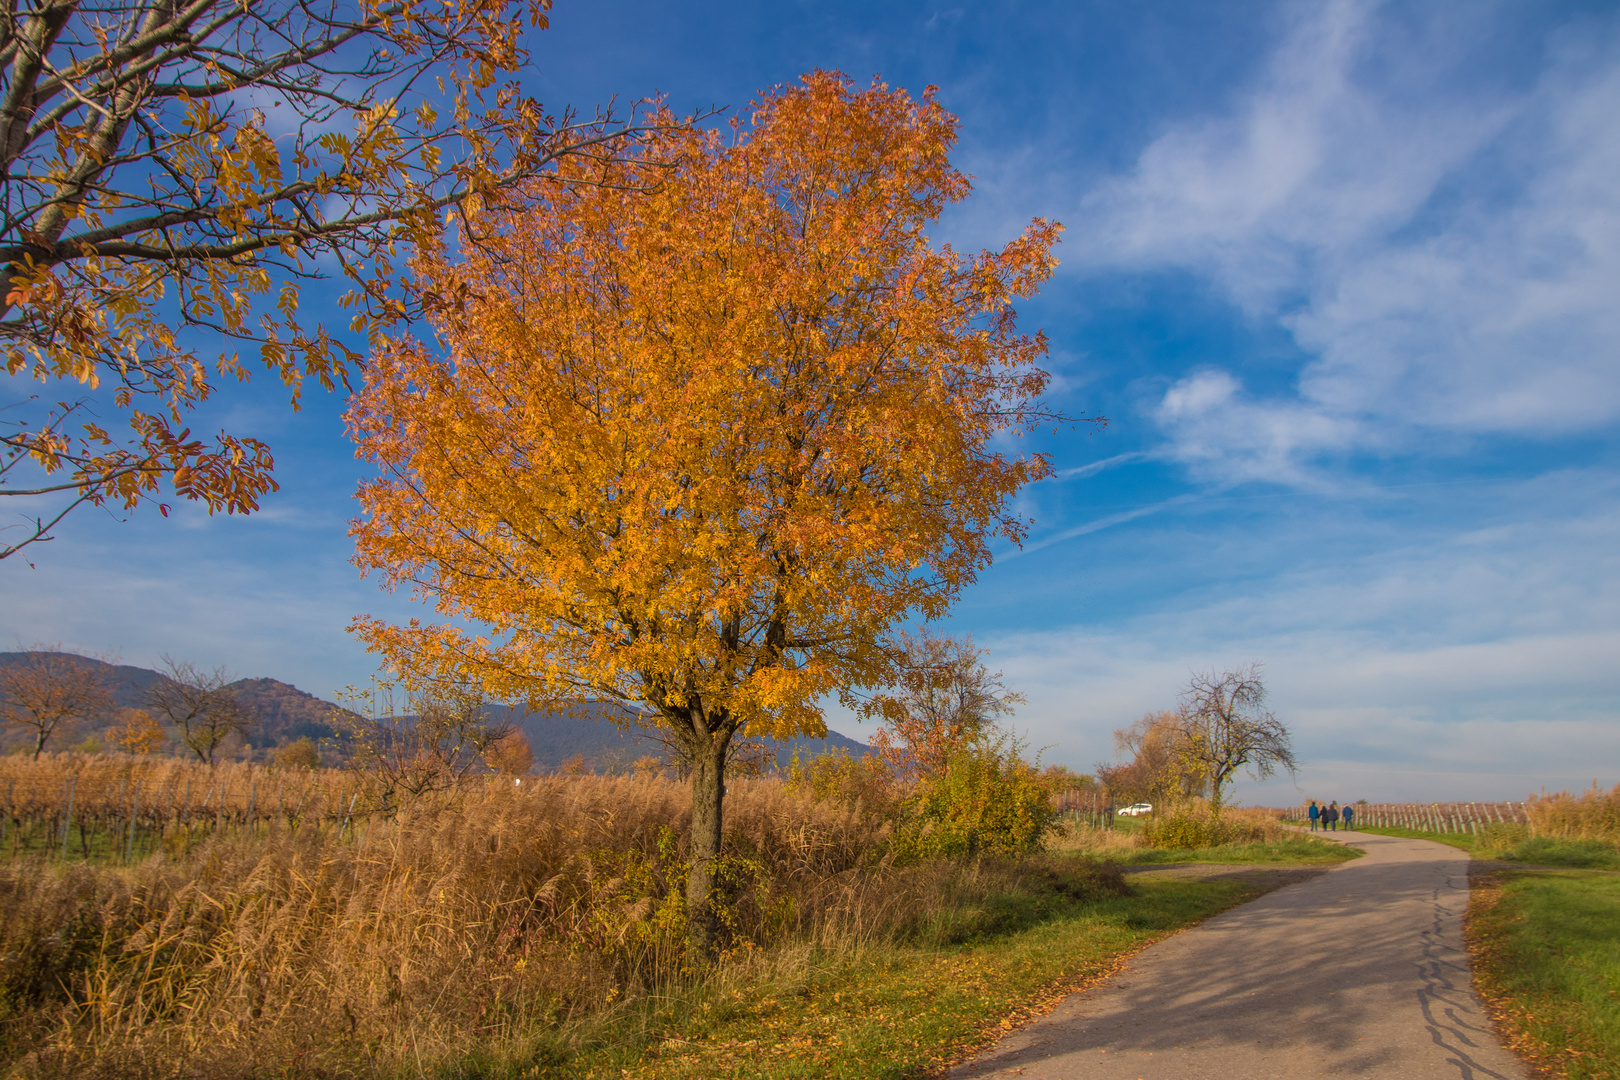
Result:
x=1342 y=276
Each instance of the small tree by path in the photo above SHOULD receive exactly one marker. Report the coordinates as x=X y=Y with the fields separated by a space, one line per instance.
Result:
x=1157 y=771
x=1225 y=727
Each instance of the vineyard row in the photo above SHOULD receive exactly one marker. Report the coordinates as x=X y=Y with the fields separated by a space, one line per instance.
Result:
x=1459 y=817
x=77 y=816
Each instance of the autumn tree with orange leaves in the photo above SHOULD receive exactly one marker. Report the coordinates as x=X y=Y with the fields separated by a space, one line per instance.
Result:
x=701 y=426
x=511 y=754
x=137 y=732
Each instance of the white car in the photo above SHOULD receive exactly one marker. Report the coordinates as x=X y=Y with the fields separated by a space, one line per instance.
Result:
x=1135 y=810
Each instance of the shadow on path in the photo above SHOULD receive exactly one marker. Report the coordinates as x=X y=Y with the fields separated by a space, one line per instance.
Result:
x=1358 y=971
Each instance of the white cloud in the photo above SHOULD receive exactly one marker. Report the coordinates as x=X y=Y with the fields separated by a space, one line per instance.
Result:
x=1313 y=161
x=1223 y=435
x=1449 y=257
x=1503 y=321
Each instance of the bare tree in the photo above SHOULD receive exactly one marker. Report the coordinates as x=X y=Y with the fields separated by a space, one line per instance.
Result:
x=47 y=690
x=945 y=701
x=177 y=165
x=442 y=734
x=200 y=703
x=1225 y=727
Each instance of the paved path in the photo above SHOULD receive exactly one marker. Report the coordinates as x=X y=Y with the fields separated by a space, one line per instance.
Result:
x=1357 y=972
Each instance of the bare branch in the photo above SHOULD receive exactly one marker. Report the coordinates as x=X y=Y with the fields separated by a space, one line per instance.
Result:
x=1226 y=728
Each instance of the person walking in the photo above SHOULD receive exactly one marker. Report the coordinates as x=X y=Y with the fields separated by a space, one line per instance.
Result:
x=1349 y=815
x=1330 y=817
x=1316 y=815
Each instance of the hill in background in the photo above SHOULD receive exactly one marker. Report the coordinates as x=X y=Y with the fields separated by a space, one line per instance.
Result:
x=282 y=713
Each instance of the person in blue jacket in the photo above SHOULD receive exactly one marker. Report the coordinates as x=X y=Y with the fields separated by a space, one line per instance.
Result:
x=1316 y=815
x=1349 y=815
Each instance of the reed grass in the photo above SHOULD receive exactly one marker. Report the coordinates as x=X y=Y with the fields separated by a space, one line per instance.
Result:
x=497 y=915
x=1592 y=815
x=1196 y=825
x=1102 y=841
x=163 y=919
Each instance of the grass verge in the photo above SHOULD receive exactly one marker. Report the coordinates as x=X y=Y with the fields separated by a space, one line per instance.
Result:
x=1546 y=952
x=1534 y=851
x=894 y=1011
x=1302 y=851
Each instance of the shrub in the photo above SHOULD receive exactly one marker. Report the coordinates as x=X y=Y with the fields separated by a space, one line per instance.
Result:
x=298 y=754
x=988 y=800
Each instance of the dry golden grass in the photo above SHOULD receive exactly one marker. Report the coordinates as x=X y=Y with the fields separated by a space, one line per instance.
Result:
x=1099 y=841
x=480 y=918
x=1264 y=824
x=1591 y=815
x=1193 y=824
x=1189 y=824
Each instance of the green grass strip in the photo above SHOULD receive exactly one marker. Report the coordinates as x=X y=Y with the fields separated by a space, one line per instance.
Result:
x=1303 y=851
x=1534 y=851
x=1546 y=948
x=902 y=1012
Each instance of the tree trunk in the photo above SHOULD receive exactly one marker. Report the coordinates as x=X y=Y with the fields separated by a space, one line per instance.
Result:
x=1217 y=790
x=708 y=796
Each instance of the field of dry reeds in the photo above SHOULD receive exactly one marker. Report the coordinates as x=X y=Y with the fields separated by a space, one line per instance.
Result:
x=1592 y=815
x=274 y=927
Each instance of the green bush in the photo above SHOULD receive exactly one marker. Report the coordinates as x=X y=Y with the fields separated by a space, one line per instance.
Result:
x=988 y=800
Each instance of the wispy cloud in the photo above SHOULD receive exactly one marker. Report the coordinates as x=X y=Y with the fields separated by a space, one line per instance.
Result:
x=1446 y=252
x=1100 y=524
x=1083 y=471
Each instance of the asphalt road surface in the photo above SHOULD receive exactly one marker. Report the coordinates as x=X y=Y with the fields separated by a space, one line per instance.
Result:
x=1359 y=971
